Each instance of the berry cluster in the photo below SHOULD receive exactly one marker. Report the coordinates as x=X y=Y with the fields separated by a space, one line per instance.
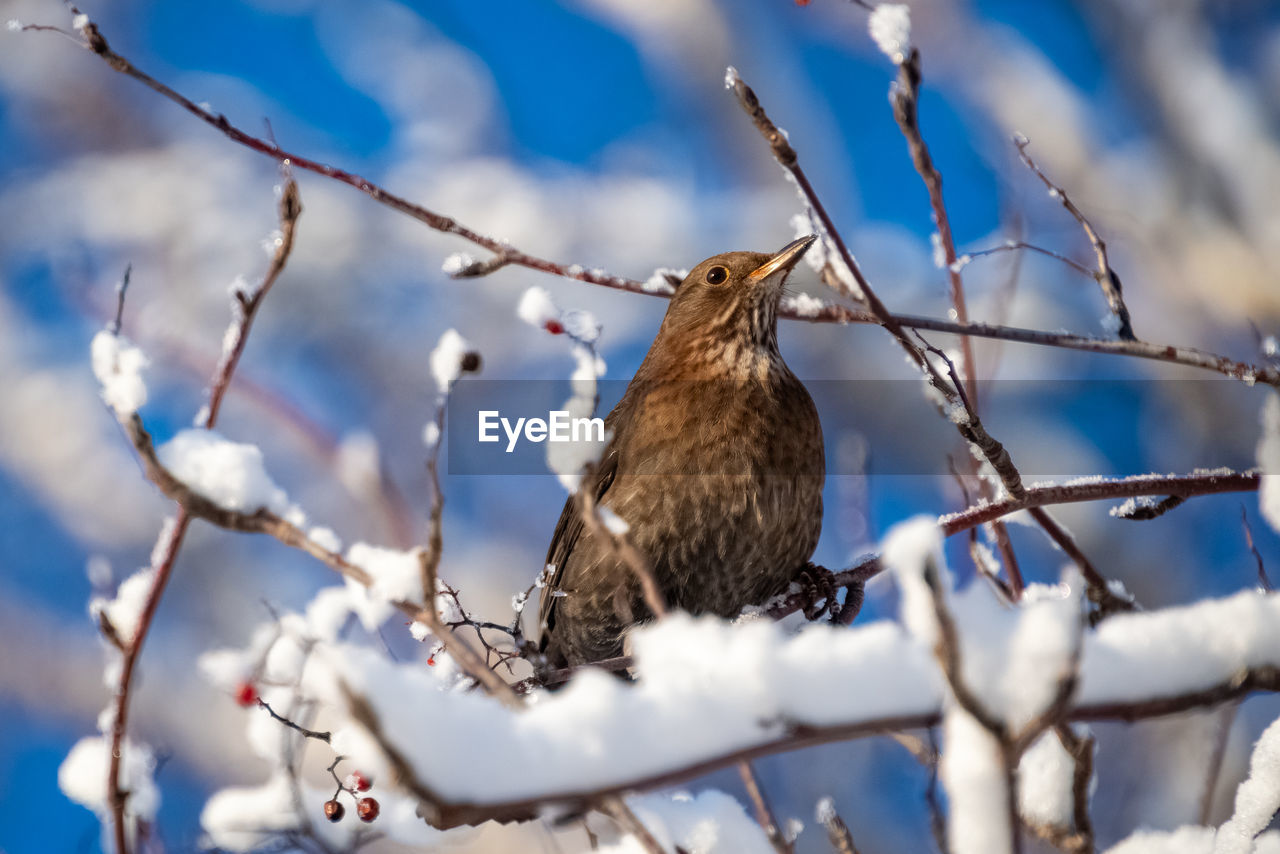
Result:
x=367 y=808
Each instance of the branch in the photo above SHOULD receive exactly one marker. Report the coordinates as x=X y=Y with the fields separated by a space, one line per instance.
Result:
x=1186 y=485
x=764 y=811
x=1106 y=277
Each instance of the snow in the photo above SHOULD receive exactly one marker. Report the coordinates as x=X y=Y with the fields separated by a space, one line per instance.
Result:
x=615 y=523
x=907 y=547
x=890 y=28
x=357 y=462
x=125 y=610
x=705 y=687
x=325 y=538
x=1176 y=650
x=80 y=22
x=567 y=459
x=1046 y=777
x=731 y=77
x=536 y=307
x=457 y=263
x=1185 y=840
x=939 y=251
x=710 y=822
x=230 y=474
x=118 y=365
x=82 y=777
x=972 y=770
x=446 y=359
x=659 y=282
x=397 y=577
x=430 y=435
x=804 y=305
x=1257 y=798
x=13 y=25
x=1269 y=462
x=582 y=326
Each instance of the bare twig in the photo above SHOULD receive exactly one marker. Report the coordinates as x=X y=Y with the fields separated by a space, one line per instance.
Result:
x=627 y=820
x=904 y=96
x=121 y=289
x=1099 y=591
x=1187 y=485
x=1148 y=510
x=764 y=811
x=838 y=833
x=309 y=733
x=1264 y=583
x=1227 y=718
x=1105 y=276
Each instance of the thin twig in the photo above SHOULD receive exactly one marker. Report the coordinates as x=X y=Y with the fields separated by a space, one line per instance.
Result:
x=1099 y=591
x=1264 y=583
x=765 y=816
x=627 y=820
x=1106 y=276
x=838 y=833
x=309 y=733
x=121 y=289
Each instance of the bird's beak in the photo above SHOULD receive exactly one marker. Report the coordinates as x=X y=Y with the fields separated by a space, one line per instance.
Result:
x=785 y=259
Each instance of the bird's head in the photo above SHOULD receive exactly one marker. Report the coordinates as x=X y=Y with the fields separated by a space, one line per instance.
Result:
x=733 y=298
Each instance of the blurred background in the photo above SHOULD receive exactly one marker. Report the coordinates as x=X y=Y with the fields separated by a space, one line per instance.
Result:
x=598 y=132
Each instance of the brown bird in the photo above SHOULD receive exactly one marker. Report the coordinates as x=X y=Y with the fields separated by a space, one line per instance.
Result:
x=714 y=461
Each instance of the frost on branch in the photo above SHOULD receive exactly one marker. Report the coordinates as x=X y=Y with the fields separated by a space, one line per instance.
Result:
x=118 y=365
x=448 y=359
x=1269 y=462
x=890 y=28
x=710 y=822
x=82 y=777
x=123 y=612
x=972 y=770
x=1257 y=799
x=1046 y=776
x=230 y=474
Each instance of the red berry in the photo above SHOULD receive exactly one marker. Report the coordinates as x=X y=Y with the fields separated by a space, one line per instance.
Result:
x=246 y=694
x=333 y=810
x=359 y=782
x=555 y=327
x=431 y=661
x=367 y=809
x=802 y=2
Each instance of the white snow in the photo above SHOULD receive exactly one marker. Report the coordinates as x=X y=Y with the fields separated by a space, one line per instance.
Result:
x=80 y=22
x=939 y=251
x=456 y=263
x=972 y=770
x=118 y=365
x=430 y=435
x=907 y=546
x=396 y=575
x=659 y=282
x=230 y=474
x=730 y=77
x=446 y=359
x=710 y=822
x=125 y=610
x=82 y=777
x=1269 y=461
x=567 y=459
x=804 y=305
x=536 y=307
x=890 y=28
x=325 y=538
x=1185 y=840
x=1257 y=798
x=1046 y=777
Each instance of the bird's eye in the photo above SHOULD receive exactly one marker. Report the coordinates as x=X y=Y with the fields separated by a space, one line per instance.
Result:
x=717 y=275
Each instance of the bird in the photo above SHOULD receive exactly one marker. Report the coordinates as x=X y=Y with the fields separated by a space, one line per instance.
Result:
x=714 y=461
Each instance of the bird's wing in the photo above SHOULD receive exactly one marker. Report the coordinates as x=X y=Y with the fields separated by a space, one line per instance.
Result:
x=569 y=528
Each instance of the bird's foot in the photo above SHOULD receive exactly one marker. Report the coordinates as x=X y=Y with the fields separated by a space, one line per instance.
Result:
x=818 y=590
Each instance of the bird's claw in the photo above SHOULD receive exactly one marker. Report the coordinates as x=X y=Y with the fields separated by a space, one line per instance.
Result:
x=818 y=590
